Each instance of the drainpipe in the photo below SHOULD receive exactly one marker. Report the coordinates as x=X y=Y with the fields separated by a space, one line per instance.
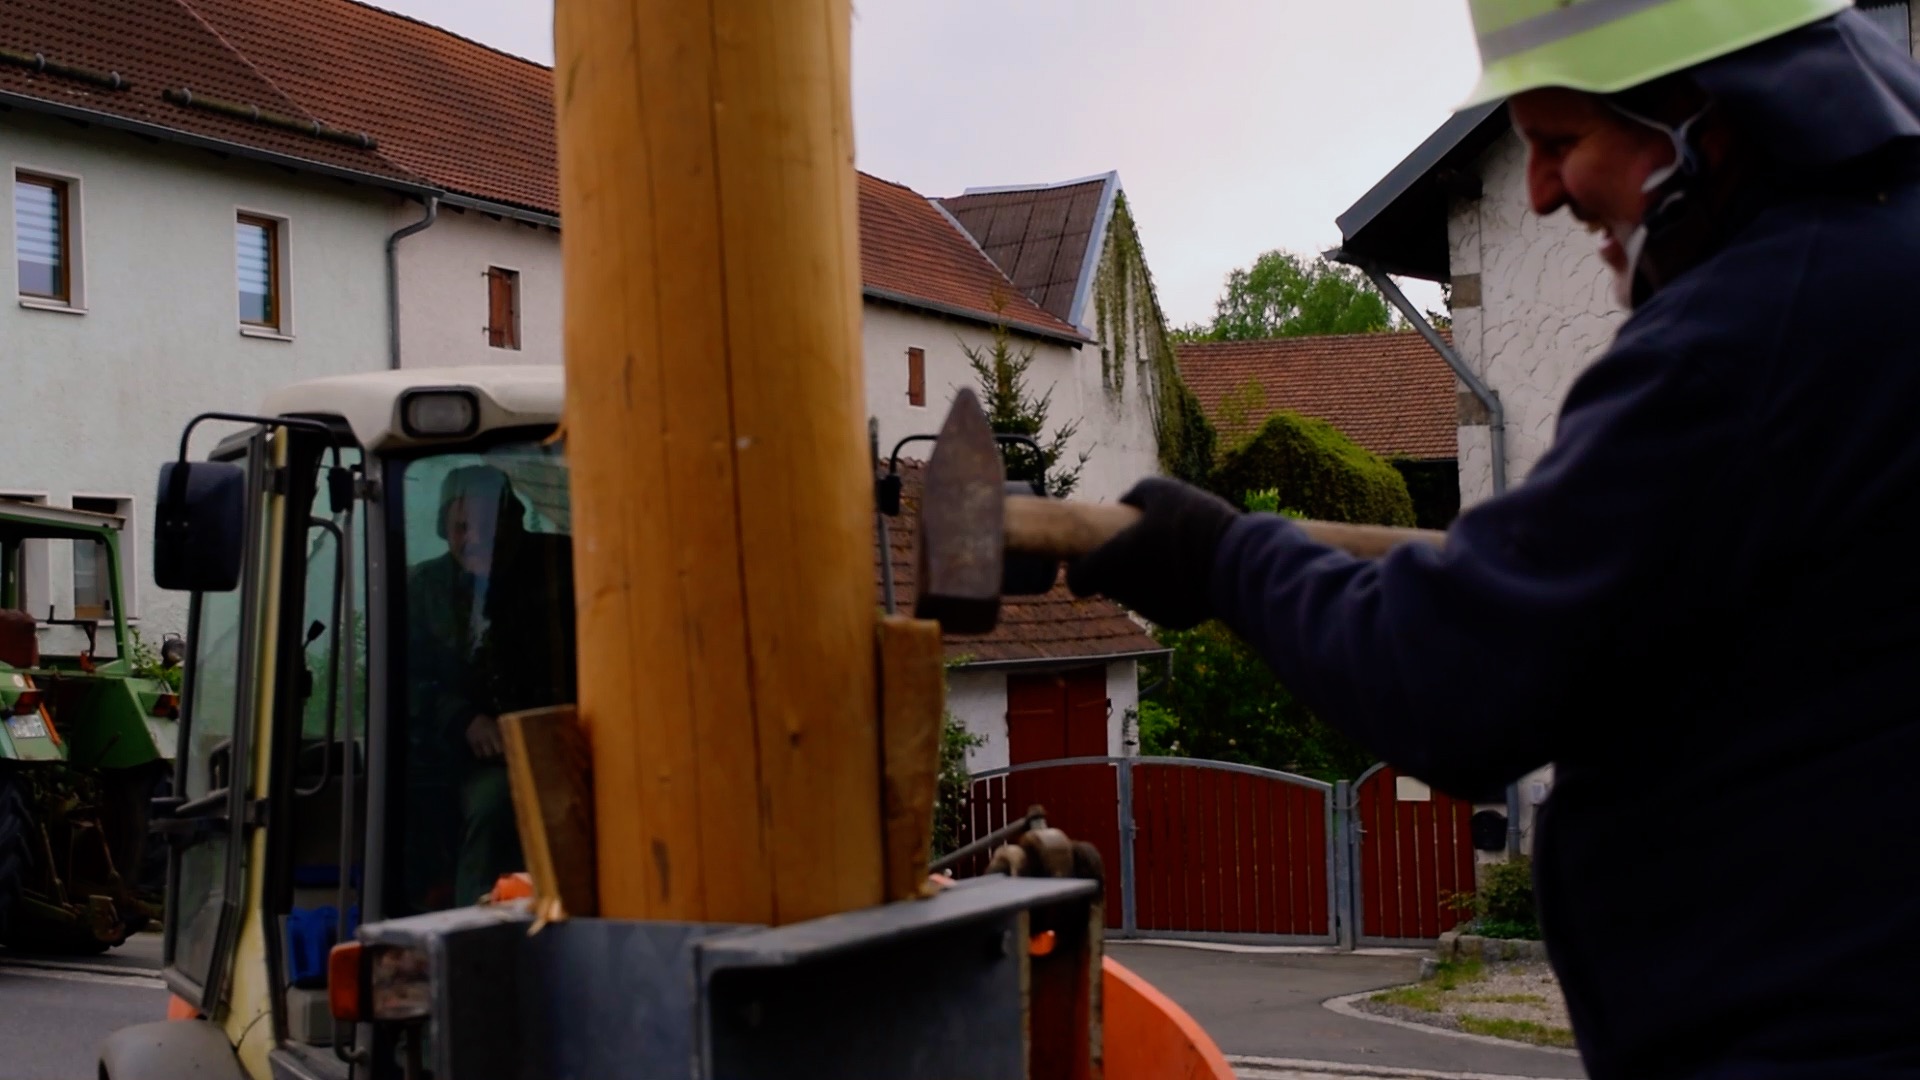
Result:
x=1496 y=437
x=393 y=278
x=1496 y=417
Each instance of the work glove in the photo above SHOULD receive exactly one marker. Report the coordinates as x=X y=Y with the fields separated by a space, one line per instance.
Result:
x=1162 y=565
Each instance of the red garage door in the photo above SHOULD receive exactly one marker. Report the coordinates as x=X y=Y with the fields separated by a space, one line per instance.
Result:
x=1059 y=714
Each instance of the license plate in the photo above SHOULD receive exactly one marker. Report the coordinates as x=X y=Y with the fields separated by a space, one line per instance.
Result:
x=26 y=727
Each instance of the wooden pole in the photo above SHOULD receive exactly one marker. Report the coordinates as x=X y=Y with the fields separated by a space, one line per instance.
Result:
x=723 y=505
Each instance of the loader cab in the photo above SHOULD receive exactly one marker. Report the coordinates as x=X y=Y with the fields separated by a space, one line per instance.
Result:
x=380 y=564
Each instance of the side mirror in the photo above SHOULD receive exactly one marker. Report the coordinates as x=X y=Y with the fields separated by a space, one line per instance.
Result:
x=200 y=526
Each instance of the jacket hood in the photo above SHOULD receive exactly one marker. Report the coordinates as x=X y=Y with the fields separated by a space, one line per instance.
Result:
x=1819 y=97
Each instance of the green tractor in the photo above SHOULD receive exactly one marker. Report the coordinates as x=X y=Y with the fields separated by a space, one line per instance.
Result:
x=86 y=742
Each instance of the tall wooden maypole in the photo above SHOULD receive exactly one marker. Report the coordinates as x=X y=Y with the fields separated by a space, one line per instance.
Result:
x=722 y=496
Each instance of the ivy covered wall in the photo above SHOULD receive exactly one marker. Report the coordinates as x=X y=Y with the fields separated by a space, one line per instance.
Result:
x=1137 y=358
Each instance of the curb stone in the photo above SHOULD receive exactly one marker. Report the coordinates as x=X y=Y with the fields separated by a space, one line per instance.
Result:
x=1457 y=946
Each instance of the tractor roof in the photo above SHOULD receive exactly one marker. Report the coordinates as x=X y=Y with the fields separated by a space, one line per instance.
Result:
x=510 y=396
x=20 y=520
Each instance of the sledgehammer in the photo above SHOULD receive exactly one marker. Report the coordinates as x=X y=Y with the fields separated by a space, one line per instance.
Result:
x=968 y=524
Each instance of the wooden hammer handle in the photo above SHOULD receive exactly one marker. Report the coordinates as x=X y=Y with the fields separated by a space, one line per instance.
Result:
x=1066 y=530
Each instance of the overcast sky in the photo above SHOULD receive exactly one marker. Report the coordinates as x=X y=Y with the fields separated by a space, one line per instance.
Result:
x=1237 y=126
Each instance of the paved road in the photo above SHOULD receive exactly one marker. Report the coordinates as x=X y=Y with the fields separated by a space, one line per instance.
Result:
x=54 y=1010
x=1265 y=1012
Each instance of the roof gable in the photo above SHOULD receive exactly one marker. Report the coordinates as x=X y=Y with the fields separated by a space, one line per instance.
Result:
x=1045 y=238
x=1389 y=392
x=911 y=251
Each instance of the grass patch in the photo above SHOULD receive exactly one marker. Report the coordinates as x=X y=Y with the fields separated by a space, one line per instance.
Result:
x=1426 y=996
x=1519 y=1030
x=1423 y=997
x=1507 y=999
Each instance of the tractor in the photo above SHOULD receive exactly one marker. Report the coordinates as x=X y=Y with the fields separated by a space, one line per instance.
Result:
x=87 y=741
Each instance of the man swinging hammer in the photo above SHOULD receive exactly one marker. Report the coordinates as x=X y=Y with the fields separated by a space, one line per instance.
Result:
x=1703 y=606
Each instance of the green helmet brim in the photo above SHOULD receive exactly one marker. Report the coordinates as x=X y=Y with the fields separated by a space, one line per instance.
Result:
x=1643 y=46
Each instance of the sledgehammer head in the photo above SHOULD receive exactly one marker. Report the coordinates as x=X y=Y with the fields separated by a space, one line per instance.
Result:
x=962 y=533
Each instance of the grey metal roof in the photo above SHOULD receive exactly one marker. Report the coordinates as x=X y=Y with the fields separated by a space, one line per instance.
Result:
x=1401 y=224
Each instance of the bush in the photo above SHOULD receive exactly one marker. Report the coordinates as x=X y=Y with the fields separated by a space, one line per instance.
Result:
x=1314 y=469
x=1159 y=731
x=1503 y=907
x=1223 y=703
x=950 y=803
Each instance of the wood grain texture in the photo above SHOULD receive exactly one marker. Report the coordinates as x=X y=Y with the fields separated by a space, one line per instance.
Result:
x=913 y=704
x=722 y=504
x=550 y=769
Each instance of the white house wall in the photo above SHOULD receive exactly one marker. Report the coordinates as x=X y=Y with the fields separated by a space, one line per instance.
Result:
x=99 y=399
x=1546 y=312
x=888 y=332
x=979 y=700
x=443 y=288
x=1126 y=447
x=1123 y=702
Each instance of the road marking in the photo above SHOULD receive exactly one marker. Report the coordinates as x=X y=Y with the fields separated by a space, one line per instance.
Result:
x=1248 y=1067
x=98 y=974
x=1345 y=1007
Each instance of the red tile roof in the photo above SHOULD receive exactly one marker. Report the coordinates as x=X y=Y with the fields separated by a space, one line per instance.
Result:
x=1057 y=626
x=909 y=248
x=474 y=120
x=444 y=112
x=157 y=46
x=1038 y=235
x=1391 y=393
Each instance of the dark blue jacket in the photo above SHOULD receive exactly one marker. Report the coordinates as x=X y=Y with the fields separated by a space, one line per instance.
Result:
x=1703 y=607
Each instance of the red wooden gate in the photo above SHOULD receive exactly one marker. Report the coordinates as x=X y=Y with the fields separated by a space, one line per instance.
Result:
x=1081 y=796
x=1199 y=848
x=1414 y=849
x=1223 y=849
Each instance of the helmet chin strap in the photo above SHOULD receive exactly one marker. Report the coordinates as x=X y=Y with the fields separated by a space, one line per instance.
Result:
x=1685 y=167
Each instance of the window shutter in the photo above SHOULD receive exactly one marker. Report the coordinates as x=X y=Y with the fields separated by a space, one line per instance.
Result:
x=916 y=377
x=499 y=307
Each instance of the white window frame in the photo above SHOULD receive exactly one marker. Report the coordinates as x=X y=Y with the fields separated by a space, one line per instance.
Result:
x=283 y=255
x=128 y=507
x=76 y=302
x=36 y=562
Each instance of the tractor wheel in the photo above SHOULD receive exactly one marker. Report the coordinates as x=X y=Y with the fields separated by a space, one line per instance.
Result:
x=14 y=852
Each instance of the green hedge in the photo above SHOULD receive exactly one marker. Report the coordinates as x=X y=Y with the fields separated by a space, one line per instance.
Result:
x=1317 y=471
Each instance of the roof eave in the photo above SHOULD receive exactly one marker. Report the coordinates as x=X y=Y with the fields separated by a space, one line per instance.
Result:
x=1064 y=337
x=1372 y=229
x=29 y=103
x=1096 y=244
x=1056 y=661
x=480 y=204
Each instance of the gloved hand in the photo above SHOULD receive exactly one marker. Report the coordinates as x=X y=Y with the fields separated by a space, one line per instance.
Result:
x=1161 y=566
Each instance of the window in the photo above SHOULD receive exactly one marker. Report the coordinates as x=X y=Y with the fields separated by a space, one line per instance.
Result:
x=486 y=621
x=258 y=267
x=503 y=308
x=26 y=580
x=92 y=574
x=917 y=377
x=43 y=237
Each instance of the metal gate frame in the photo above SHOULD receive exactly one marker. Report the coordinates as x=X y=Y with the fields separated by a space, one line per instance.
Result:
x=1338 y=860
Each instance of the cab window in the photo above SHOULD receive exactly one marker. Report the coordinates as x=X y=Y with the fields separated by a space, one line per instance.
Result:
x=486 y=620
